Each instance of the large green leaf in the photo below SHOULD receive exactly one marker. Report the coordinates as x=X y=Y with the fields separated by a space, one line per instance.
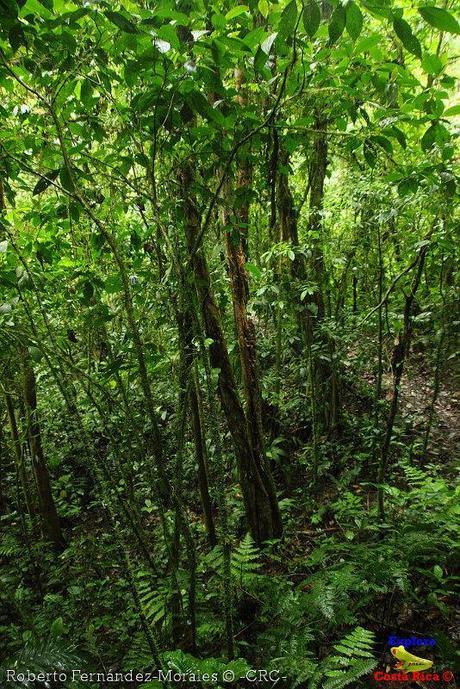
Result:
x=43 y=183
x=288 y=20
x=336 y=23
x=435 y=134
x=121 y=21
x=440 y=18
x=236 y=11
x=367 y=43
x=353 y=20
x=311 y=17
x=431 y=63
x=407 y=38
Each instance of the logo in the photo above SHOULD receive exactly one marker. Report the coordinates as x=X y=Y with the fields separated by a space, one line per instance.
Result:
x=410 y=667
x=394 y=640
x=407 y=662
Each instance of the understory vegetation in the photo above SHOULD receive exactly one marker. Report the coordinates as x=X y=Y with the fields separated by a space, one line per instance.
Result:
x=228 y=339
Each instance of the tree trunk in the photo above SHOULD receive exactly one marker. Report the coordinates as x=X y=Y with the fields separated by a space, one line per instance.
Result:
x=400 y=353
x=17 y=447
x=184 y=320
x=49 y=515
x=202 y=460
x=325 y=383
x=256 y=482
x=3 y=468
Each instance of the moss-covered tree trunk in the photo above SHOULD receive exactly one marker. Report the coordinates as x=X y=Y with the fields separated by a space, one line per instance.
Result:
x=256 y=482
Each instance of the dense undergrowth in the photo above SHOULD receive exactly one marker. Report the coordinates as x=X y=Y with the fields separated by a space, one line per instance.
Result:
x=228 y=355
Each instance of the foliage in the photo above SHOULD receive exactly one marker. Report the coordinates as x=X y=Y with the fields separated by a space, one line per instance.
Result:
x=228 y=274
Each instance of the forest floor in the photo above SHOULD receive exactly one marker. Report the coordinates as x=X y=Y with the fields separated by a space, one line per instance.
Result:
x=416 y=396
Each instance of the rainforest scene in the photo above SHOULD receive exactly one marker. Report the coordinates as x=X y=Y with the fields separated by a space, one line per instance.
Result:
x=229 y=382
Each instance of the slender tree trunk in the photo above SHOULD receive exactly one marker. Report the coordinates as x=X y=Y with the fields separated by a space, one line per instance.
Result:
x=184 y=318
x=355 y=293
x=378 y=387
x=50 y=518
x=400 y=353
x=315 y=225
x=3 y=469
x=18 y=455
x=435 y=393
x=202 y=459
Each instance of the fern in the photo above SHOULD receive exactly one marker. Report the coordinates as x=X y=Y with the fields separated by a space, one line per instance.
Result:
x=415 y=477
x=330 y=593
x=42 y=656
x=155 y=601
x=10 y=546
x=296 y=661
x=245 y=562
x=354 y=659
x=139 y=655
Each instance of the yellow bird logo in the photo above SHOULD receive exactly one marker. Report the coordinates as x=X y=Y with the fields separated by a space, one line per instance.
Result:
x=408 y=662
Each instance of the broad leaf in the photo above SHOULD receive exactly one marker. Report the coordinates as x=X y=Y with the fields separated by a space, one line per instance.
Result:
x=288 y=20
x=43 y=183
x=407 y=38
x=431 y=64
x=353 y=20
x=119 y=20
x=440 y=18
x=336 y=23
x=311 y=17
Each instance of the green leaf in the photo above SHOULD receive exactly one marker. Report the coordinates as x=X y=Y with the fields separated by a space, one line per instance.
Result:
x=429 y=137
x=253 y=269
x=399 y=136
x=263 y=8
x=407 y=38
x=437 y=571
x=288 y=20
x=199 y=104
x=260 y=60
x=440 y=18
x=57 y=628
x=266 y=46
x=86 y=92
x=236 y=11
x=383 y=142
x=369 y=153
x=407 y=186
x=431 y=64
x=119 y=20
x=336 y=24
x=353 y=20
x=66 y=179
x=311 y=17
x=218 y=21
x=451 y=112
x=43 y=184
x=367 y=43
x=34 y=7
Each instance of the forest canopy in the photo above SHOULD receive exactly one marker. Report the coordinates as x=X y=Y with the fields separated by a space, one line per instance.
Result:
x=228 y=355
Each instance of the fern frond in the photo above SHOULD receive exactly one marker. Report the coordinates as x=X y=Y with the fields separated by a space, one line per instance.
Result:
x=43 y=656
x=337 y=679
x=355 y=660
x=10 y=546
